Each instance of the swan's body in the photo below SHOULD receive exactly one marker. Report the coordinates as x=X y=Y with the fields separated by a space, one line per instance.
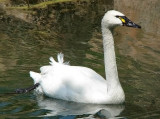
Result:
x=81 y=84
x=75 y=83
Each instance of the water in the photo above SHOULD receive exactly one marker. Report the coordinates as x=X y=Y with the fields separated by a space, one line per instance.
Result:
x=27 y=41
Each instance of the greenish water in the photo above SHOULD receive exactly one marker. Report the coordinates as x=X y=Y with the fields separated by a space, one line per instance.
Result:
x=28 y=39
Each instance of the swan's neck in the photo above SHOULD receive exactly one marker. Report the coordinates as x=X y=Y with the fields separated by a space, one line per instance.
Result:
x=109 y=58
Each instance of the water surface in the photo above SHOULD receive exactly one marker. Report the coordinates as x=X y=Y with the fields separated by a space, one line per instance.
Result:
x=28 y=39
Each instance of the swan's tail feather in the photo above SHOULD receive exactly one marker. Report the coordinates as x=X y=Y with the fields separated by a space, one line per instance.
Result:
x=60 y=58
x=52 y=61
x=36 y=77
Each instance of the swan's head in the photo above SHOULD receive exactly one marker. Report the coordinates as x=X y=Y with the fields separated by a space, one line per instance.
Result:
x=114 y=18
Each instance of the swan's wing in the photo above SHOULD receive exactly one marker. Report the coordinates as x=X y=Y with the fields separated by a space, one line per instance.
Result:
x=87 y=72
x=70 y=71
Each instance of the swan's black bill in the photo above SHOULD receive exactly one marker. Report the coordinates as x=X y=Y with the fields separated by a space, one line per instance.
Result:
x=127 y=22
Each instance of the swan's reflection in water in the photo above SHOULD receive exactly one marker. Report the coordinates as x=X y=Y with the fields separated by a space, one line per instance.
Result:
x=65 y=108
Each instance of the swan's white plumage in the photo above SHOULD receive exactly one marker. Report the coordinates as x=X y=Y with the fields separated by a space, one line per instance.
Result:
x=72 y=83
x=81 y=84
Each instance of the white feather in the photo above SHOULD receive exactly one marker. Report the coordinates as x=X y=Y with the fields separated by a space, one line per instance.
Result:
x=52 y=61
x=60 y=57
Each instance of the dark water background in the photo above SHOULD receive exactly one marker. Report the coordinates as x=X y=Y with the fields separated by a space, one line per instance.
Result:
x=29 y=37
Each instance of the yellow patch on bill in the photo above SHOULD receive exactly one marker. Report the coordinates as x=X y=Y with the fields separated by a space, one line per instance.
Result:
x=123 y=20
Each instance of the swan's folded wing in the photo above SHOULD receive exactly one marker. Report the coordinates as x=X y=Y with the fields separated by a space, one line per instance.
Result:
x=87 y=72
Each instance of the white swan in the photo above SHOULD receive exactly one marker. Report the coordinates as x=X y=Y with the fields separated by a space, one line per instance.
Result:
x=82 y=84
